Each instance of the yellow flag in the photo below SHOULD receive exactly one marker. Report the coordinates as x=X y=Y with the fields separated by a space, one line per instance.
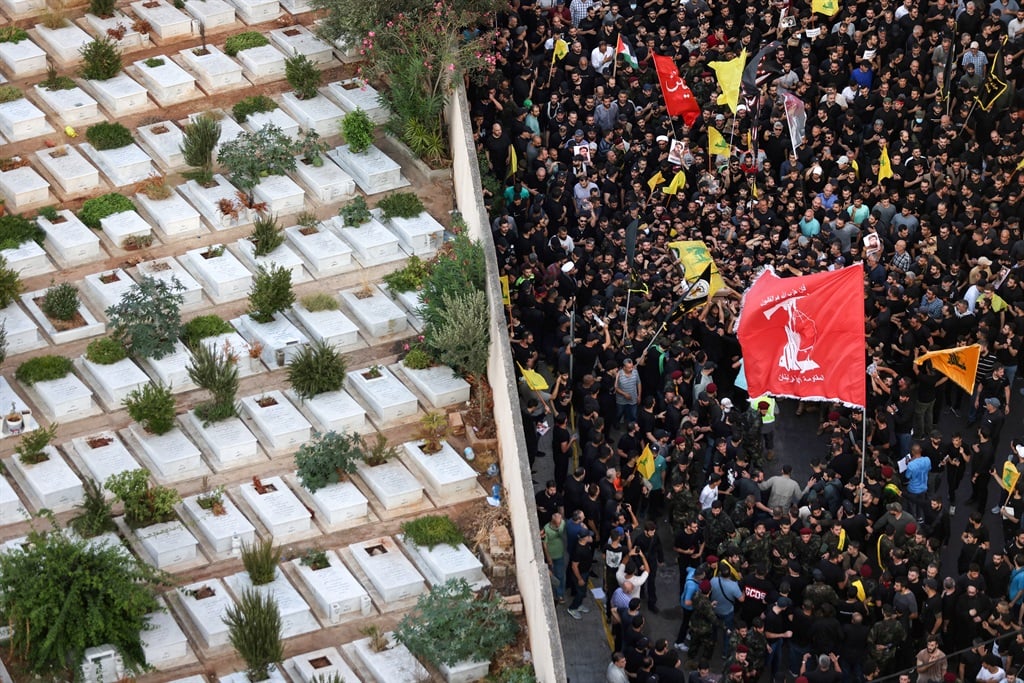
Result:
x=513 y=162
x=695 y=257
x=717 y=143
x=826 y=7
x=645 y=463
x=561 y=50
x=884 y=165
x=534 y=380
x=656 y=179
x=1020 y=164
x=959 y=364
x=729 y=76
x=998 y=303
x=1010 y=476
x=678 y=183
x=506 y=297
x=753 y=189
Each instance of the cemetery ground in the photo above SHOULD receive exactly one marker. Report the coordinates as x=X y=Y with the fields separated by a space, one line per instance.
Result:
x=191 y=637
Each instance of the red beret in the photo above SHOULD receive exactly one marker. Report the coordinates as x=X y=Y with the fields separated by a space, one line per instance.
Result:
x=742 y=648
x=802 y=679
x=763 y=404
x=886 y=471
x=833 y=416
x=806 y=532
x=680 y=440
x=911 y=528
x=705 y=586
x=678 y=374
x=949 y=677
x=735 y=668
x=712 y=388
x=865 y=571
x=712 y=559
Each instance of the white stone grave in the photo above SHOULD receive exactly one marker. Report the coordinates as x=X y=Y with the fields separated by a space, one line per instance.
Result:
x=164 y=643
x=167 y=22
x=336 y=593
x=262 y=64
x=372 y=242
x=279 y=509
x=50 y=484
x=229 y=443
x=439 y=385
x=28 y=258
x=377 y=313
x=114 y=382
x=132 y=39
x=223 y=276
x=164 y=140
x=387 y=397
x=74 y=106
x=355 y=93
x=392 y=484
x=256 y=11
x=421 y=235
x=173 y=456
x=341 y=504
x=346 y=53
x=65 y=43
x=445 y=562
x=412 y=302
x=296 y=617
x=317 y=113
x=90 y=328
x=168 y=544
x=297 y=6
x=106 y=288
x=172 y=369
x=225 y=532
x=215 y=71
x=65 y=399
x=102 y=663
x=281 y=257
x=212 y=14
x=103 y=455
x=326 y=183
x=207 y=611
x=173 y=217
x=333 y=410
x=390 y=572
x=23 y=58
x=331 y=327
x=373 y=170
x=123 y=166
x=280 y=339
x=299 y=40
x=207 y=200
x=446 y=474
x=280 y=425
x=23 y=188
x=229 y=130
x=19 y=8
x=120 y=227
x=275 y=676
x=168 y=83
x=21 y=120
x=69 y=241
x=287 y=124
x=22 y=334
x=319 y=665
x=120 y=95
x=394 y=665
x=69 y=168
x=10 y=401
x=323 y=252
x=233 y=345
x=167 y=269
x=191 y=679
x=11 y=509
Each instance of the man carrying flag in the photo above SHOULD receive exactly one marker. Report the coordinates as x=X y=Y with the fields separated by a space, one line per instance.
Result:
x=884 y=165
x=560 y=51
x=959 y=364
x=716 y=143
x=679 y=99
x=625 y=50
x=729 y=75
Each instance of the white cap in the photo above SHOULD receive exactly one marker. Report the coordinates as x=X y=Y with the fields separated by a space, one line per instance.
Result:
x=741 y=107
x=974 y=44
x=843 y=160
x=726 y=404
x=661 y=138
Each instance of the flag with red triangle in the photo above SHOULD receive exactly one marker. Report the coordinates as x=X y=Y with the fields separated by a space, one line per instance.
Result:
x=625 y=50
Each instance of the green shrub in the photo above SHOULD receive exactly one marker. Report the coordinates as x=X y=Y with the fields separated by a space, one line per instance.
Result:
x=16 y=230
x=401 y=205
x=315 y=558
x=461 y=338
x=357 y=128
x=219 y=376
x=244 y=41
x=144 y=505
x=271 y=293
x=457 y=270
x=408 y=279
x=10 y=93
x=54 y=81
x=355 y=213
x=154 y=62
x=147 y=318
x=260 y=559
x=42 y=369
x=96 y=209
x=152 y=406
x=316 y=369
x=379 y=452
x=12 y=34
x=101 y=60
x=255 y=104
x=202 y=327
x=61 y=302
x=418 y=358
x=303 y=76
x=108 y=135
x=49 y=213
x=321 y=301
x=96 y=516
x=11 y=285
x=520 y=674
x=31 y=449
x=200 y=138
x=102 y=8
x=432 y=530
x=326 y=458
x=105 y=351
x=266 y=235
x=254 y=628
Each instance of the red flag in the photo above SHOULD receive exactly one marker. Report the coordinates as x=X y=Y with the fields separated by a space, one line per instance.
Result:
x=803 y=337
x=679 y=98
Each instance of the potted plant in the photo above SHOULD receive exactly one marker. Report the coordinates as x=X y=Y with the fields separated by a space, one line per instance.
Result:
x=199 y=139
x=31 y=449
x=266 y=235
x=328 y=459
x=409 y=278
x=60 y=304
x=212 y=500
x=316 y=369
x=10 y=284
x=379 y=452
x=417 y=358
x=144 y=504
x=203 y=326
x=433 y=430
x=271 y=293
x=372 y=372
x=152 y=406
x=311 y=149
x=43 y=369
x=302 y=75
x=401 y=205
x=96 y=517
x=252 y=156
x=254 y=627
x=357 y=128
x=105 y=351
x=321 y=301
x=13 y=421
x=316 y=559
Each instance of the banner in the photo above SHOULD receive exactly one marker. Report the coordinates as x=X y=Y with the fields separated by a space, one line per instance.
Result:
x=757 y=73
x=803 y=337
x=679 y=99
x=796 y=116
x=645 y=463
x=729 y=75
x=695 y=257
x=826 y=7
x=884 y=165
x=506 y=297
x=678 y=183
x=625 y=50
x=995 y=85
x=1010 y=476
x=959 y=364
x=717 y=143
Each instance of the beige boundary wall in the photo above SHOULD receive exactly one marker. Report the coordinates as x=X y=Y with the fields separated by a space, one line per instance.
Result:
x=531 y=571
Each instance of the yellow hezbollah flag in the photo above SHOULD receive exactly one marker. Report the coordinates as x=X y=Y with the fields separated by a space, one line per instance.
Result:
x=1020 y=164
x=678 y=183
x=695 y=257
x=506 y=297
x=534 y=380
x=717 y=143
x=959 y=364
x=645 y=464
x=561 y=50
x=729 y=76
x=884 y=165
x=1010 y=476
x=656 y=179
x=998 y=303
x=826 y=7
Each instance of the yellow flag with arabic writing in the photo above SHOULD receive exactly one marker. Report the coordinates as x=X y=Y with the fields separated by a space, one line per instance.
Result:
x=695 y=257
x=645 y=463
x=884 y=165
x=959 y=364
x=560 y=51
x=717 y=143
x=826 y=7
x=534 y=380
x=656 y=179
x=1010 y=476
x=678 y=183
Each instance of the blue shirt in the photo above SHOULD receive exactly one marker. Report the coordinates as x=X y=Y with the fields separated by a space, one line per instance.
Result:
x=690 y=589
x=917 y=474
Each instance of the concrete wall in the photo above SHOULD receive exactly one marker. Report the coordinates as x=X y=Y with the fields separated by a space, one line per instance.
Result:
x=531 y=571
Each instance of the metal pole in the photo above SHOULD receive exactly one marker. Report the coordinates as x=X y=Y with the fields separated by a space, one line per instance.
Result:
x=863 y=457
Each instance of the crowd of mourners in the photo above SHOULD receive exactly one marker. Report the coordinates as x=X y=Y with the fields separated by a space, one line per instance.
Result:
x=848 y=575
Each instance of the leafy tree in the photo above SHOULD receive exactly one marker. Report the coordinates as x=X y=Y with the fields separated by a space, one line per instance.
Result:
x=62 y=595
x=147 y=319
x=200 y=139
x=354 y=20
x=327 y=458
x=251 y=157
x=459 y=268
x=303 y=76
x=271 y=293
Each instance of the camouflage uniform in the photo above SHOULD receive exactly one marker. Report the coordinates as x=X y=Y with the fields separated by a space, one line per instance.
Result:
x=702 y=628
x=757 y=648
x=757 y=549
x=719 y=528
x=809 y=553
x=820 y=593
x=784 y=544
x=888 y=634
x=682 y=507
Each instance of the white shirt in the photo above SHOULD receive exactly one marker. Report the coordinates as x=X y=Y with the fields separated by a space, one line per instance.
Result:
x=637 y=580
x=708 y=496
x=602 y=60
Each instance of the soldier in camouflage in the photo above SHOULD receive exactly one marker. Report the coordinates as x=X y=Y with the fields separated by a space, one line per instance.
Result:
x=718 y=527
x=820 y=593
x=683 y=505
x=757 y=548
x=702 y=624
x=884 y=639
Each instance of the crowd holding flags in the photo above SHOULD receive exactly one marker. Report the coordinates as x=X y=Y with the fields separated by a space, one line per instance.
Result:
x=679 y=99
x=625 y=50
x=959 y=364
x=729 y=75
x=995 y=85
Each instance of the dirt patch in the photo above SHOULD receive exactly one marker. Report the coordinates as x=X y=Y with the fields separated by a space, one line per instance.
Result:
x=99 y=441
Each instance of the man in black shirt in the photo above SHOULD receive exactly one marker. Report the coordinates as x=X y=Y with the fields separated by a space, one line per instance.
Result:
x=581 y=559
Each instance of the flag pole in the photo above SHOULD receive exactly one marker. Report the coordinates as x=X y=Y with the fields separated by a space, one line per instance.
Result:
x=863 y=456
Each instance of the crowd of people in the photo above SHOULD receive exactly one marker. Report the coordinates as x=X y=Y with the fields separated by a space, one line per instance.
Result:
x=907 y=164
